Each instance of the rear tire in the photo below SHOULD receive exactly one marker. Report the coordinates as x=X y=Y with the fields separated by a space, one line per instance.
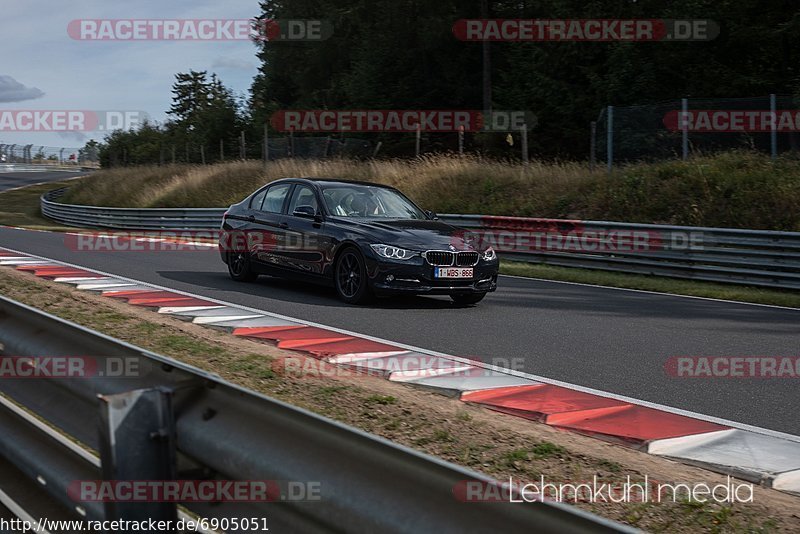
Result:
x=239 y=267
x=466 y=300
x=350 y=277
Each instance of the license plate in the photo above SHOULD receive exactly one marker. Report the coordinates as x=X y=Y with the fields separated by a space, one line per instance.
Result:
x=452 y=272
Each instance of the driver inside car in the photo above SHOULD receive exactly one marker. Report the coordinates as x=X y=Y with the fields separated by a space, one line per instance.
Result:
x=363 y=206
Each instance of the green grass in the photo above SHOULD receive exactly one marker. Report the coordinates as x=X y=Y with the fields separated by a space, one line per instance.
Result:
x=381 y=399
x=20 y=207
x=675 y=286
x=539 y=451
x=735 y=189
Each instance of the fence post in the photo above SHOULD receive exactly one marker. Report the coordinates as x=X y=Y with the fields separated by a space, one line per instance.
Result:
x=419 y=138
x=524 y=132
x=592 y=145
x=242 y=152
x=173 y=154
x=221 y=150
x=377 y=149
x=61 y=156
x=685 y=128
x=202 y=154
x=461 y=140
x=291 y=143
x=773 y=134
x=610 y=140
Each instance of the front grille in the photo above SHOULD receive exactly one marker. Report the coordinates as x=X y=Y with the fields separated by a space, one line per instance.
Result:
x=440 y=258
x=466 y=259
x=443 y=258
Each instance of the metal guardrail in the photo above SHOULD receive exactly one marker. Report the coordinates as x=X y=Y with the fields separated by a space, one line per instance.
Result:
x=129 y=218
x=170 y=421
x=750 y=257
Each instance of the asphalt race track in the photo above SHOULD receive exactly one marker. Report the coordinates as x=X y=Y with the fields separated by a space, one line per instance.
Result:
x=11 y=180
x=611 y=340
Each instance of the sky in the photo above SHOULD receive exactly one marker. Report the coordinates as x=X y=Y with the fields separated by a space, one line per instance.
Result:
x=43 y=68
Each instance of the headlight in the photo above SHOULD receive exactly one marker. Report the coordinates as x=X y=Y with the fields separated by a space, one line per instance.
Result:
x=393 y=253
x=489 y=254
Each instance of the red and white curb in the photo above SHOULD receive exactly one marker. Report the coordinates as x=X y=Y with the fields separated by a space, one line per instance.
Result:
x=755 y=454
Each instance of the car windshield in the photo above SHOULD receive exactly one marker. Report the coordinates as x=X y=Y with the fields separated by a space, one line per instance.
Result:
x=367 y=201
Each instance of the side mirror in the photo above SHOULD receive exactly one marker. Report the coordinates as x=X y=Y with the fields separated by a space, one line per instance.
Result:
x=305 y=211
x=432 y=215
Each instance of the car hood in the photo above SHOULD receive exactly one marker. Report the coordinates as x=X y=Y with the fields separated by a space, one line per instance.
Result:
x=409 y=233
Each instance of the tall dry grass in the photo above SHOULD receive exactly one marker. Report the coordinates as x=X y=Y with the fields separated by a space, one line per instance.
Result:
x=737 y=189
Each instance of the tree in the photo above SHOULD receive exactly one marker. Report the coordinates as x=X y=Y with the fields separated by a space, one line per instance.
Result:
x=204 y=112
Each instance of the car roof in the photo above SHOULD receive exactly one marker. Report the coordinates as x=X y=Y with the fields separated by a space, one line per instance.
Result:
x=334 y=181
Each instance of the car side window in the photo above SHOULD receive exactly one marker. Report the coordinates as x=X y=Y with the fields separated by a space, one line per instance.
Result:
x=302 y=196
x=257 y=200
x=273 y=200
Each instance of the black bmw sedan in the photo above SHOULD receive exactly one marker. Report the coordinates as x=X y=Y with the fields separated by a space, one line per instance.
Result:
x=364 y=239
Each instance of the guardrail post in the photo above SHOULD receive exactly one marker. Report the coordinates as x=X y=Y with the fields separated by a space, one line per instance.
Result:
x=137 y=442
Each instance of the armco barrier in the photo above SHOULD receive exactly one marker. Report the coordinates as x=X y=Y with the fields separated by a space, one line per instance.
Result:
x=170 y=421
x=129 y=218
x=751 y=257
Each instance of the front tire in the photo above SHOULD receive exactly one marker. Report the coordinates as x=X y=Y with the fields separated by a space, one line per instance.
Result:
x=350 y=277
x=239 y=267
x=466 y=300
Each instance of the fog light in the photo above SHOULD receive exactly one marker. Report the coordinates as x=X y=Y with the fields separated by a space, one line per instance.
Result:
x=390 y=279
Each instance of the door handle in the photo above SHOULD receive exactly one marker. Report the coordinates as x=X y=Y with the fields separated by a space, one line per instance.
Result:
x=251 y=218
x=283 y=226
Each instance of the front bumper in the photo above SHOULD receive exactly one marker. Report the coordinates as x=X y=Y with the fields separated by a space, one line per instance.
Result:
x=415 y=276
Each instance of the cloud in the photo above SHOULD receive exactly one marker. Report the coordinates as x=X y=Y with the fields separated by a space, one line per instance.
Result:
x=231 y=63
x=13 y=91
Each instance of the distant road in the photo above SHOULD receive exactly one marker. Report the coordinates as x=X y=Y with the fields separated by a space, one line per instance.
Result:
x=12 y=180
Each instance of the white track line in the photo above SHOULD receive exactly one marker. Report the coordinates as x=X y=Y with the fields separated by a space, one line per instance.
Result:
x=653 y=292
x=536 y=378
